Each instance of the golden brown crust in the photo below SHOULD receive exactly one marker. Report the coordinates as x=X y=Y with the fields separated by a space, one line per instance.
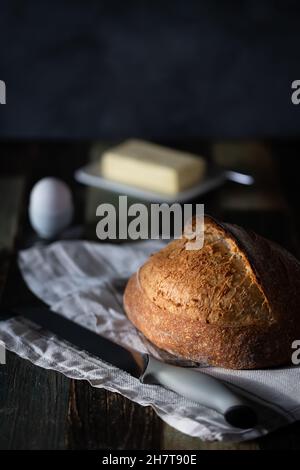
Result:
x=177 y=299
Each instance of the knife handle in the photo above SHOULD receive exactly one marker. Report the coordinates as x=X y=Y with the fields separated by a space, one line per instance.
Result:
x=201 y=388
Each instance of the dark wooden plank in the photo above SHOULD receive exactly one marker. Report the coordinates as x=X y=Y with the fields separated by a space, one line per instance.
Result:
x=99 y=419
x=11 y=194
x=33 y=401
x=33 y=406
x=10 y=209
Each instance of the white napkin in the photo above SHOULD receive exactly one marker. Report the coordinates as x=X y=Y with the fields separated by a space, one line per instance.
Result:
x=84 y=282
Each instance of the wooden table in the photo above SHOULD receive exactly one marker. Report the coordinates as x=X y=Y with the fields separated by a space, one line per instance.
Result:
x=41 y=409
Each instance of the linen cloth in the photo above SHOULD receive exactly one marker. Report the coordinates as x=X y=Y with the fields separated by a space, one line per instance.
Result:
x=84 y=282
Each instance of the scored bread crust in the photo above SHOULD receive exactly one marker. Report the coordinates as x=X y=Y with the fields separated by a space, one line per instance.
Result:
x=219 y=329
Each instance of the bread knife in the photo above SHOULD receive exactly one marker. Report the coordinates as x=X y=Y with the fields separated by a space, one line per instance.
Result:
x=186 y=381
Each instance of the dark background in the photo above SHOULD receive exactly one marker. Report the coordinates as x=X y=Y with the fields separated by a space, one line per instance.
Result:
x=158 y=70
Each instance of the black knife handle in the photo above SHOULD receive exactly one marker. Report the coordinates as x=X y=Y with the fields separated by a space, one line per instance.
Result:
x=203 y=389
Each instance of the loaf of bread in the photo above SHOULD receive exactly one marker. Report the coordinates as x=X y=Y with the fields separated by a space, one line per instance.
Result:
x=234 y=303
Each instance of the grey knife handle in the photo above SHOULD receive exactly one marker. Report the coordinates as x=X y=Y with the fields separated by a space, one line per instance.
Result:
x=203 y=389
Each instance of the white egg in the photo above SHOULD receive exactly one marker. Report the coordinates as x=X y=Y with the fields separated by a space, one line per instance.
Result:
x=50 y=207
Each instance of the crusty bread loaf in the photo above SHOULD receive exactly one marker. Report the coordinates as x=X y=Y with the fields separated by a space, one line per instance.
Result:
x=234 y=303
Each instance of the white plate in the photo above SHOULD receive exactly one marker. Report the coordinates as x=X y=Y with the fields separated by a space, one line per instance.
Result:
x=90 y=175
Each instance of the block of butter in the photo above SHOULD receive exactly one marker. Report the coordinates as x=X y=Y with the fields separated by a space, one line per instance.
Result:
x=152 y=167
